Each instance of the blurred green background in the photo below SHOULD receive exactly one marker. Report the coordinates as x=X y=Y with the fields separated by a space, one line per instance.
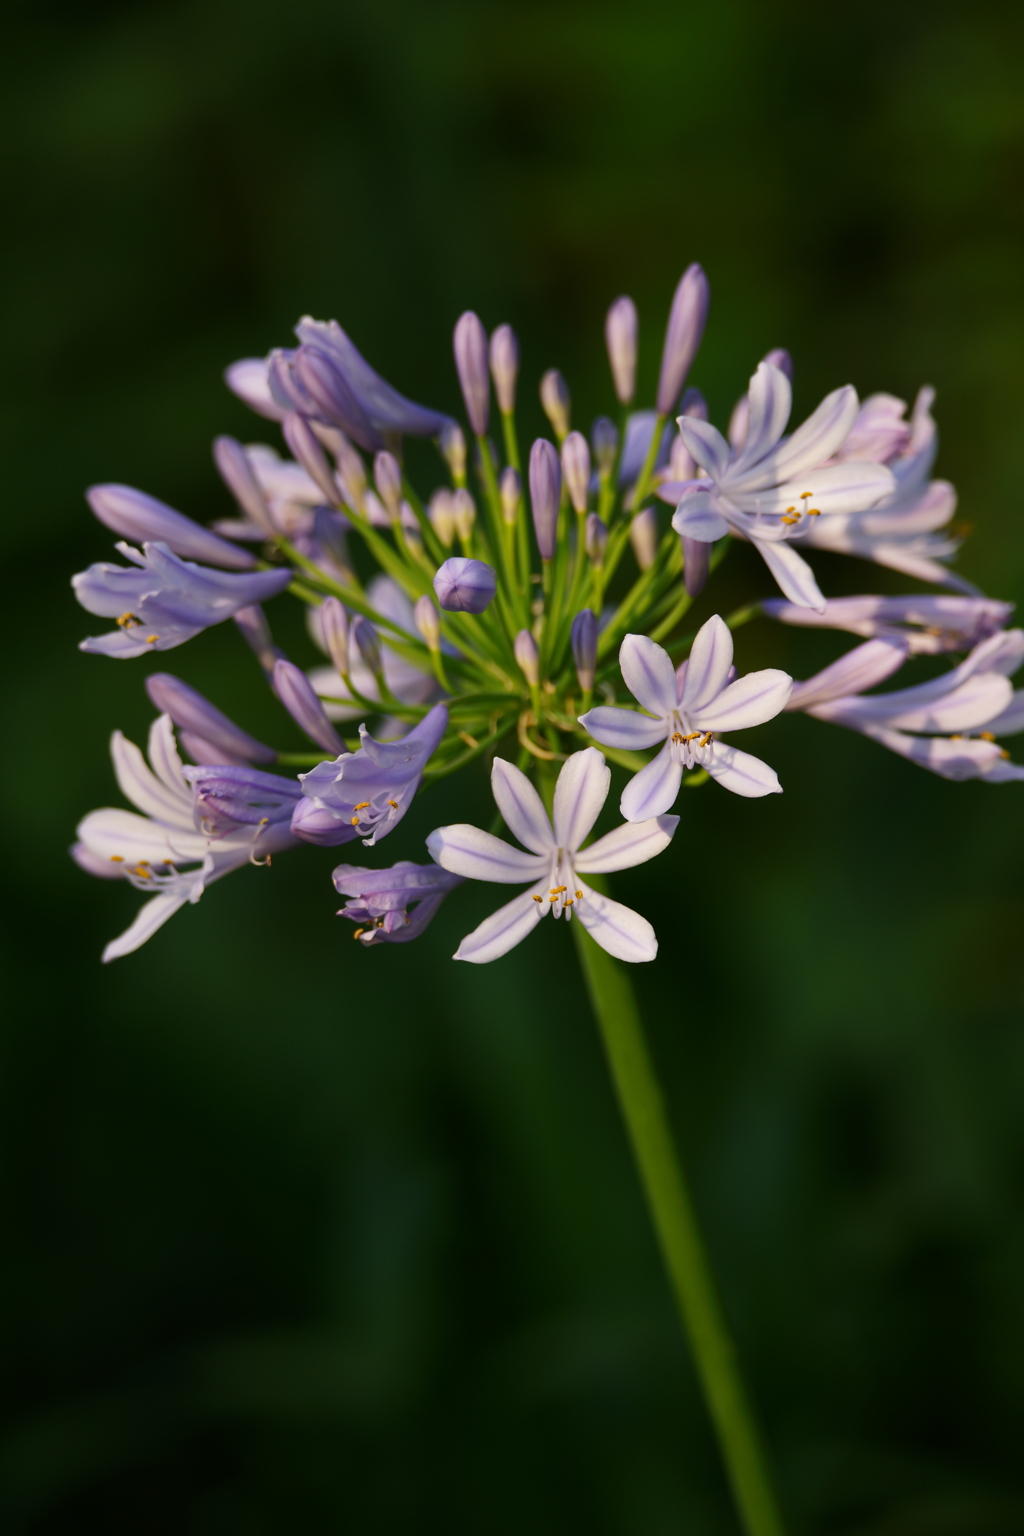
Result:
x=298 y=1237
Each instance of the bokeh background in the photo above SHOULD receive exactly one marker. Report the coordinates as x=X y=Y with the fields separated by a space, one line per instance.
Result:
x=298 y=1237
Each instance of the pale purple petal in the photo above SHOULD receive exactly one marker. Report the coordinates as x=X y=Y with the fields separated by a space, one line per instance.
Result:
x=139 y=784
x=964 y=758
x=743 y=774
x=794 y=576
x=750 y=700
x=972 y=704
x=648 y=673
x=580 y=793
x=248 y=380
x=836 y=489
x=1012 y=718
x=521 y=807
x=633 y=843
x=623 y=728
x=618 y=929
x=697 y=517
x=860 y=669
x=152 y=915
x=811 y=444
x=770 y=402
x=476 y=855
x=705 y=444
x=503 y=930
x=707 y=665
x=653 y=790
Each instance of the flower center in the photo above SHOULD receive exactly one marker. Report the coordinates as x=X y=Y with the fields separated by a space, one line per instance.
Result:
x=690 y=748
x=563 y=891
x=369 y=815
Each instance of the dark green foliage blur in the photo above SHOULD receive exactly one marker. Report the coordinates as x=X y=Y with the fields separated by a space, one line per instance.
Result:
x=303 y=1238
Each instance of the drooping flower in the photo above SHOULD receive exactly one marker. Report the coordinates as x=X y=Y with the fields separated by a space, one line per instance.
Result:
x=392 y=905
x=165 y=601
x=929 y=624
x=367 y=792
x=161 y=852
x=555 y=862
x=209 y=735
x=687 y=709
x=773 y=488
x=143 y=519
x=930 y=724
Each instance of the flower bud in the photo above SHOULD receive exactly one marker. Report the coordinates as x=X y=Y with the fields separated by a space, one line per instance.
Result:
x=604 y=439
x=192 y=713
x=452 y=443
x=465 y=586
x=545 y=494
x=556 y=400
x=471 y=363
x=683 y=334
x=352 y=474
x=511 y=489
x=576 y=469
x=643 y=535
x=295 y=691
x=584 y=648
x=235 y=470
x=595 y=540
x=693 y=403
x=368 y=641
x=620 y=334
x=696 y=559
x=441 y=512
x=464 y=514
x=780 y=358
x=505 y=367
x=252 y=623
x=427 y=622
x=332 y=397
x=528 y=657
x=142 y=518
x=334 y=629
x=387 y=477
x=306 y=450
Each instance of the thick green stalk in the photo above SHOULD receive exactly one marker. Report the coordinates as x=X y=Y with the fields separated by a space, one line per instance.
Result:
x=613 y=1002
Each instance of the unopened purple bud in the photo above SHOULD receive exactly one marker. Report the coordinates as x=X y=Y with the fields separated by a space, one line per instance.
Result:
x=595 y=540
x=295 y=691
x=252 y=622
x=427 y=622
x=693 y=403
x=696 y=559
x=332 y=396
x=604 y=438
x=545 y=495
x=441 y=512
x=452 y=443
x=620 y=334
x=368 y=641
x=527 y=656
x=576 y=469
x=465 y=586
x=643 y=535
x=780 y=358
x=334 y=628
x=584 y=648
x=410 y=524
x=352 y=474
x=557 y=402
x=233 y=463
x=143 y=519
x=471 y=363
x=306 y=449
x=387 y=477
x=505 y=367
x=464 y=514
x=196 y=715
x=511 y=489
x=683 y=334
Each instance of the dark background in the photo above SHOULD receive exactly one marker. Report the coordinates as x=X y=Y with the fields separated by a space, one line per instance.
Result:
x=298 y=1237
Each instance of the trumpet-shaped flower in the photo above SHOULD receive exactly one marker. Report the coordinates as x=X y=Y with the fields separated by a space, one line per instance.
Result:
x=773 y=488
x=554 y=862
x=687 y=708
x=161 y=851
x=929 y=624
x=165 y=601
x=381 y=899
x=366 y=793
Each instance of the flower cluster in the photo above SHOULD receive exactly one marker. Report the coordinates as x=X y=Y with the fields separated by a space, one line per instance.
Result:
x=530 y=614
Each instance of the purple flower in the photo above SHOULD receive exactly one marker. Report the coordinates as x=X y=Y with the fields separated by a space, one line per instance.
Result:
x=554 y=862
x=583 y=638
x=143 y=519
x=297 y=694
x=160 y=852
x=545 y=495
x=620 y=334
x=209 y=734
x=366 y=793
x=929 y=624
x=383 y=898
x=687 y=708
x=465 y=586
x=471 y=362
x=576 y=469
x=505 y=367
x=228 y=798
x=739 y=421
x=165 y=601
x=683 y=334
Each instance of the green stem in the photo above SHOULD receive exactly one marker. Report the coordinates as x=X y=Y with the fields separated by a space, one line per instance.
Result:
x=613 y=1002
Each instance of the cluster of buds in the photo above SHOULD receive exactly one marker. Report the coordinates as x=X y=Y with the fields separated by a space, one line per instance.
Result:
x=527 y=615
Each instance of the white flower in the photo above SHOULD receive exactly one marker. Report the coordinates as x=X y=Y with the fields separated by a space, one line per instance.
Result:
x=773 y=489
x=687 y=708
x=554 y=862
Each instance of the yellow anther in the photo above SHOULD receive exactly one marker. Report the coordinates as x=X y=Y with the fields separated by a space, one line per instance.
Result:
x=806 y=495
x=355 y=821
x=790 y=510
x=957 y=737
x=708 y=738
x=540 y=899
x=1003 y=752
x=794 y=519
x=361 y=806
x=117 y=858
x=568 y=903
x=556 y=890
x=127 y=620
x=151 y=639
x=676 y=736
x=359 y=933
x=986 y=736
x=579 y=895
x=813 y=512
x=393 y=804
